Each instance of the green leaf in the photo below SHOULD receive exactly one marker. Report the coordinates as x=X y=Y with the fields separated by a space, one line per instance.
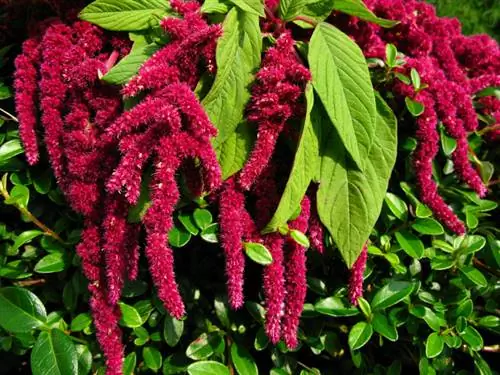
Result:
x=242 y=360
x=448 y=143
x=256 y=310
x=152 y=358
x=5 y=92
x=359 y=335
x=489 y=321
x=10 y=149
x=54 y=353
x=20 y=310
x=14 y=270
x=251 y=6
x=434 y=345
x=129 y=66
x=364 y=306
x=473 y=338
x=397 y=206
x=410 y=243
x=414 y=107
x=382 y=326
x=202 y=218
x=304 y=168
x=428 y=226
x=234 y=151
x=261 y=340
x=300 y=238
x=210 y=233
x=129 y=364
x=391 y=54
x=214 y=6
x=472 y=244
x=334 y=306
x=340 y=77
x=188 y=222
x=349 y=201
x=24 y=238
x=80 y=322
x=130 y=316
x=55 y=262
x=19 y=195
x=207 y=368
x=178 y=237
x=205 y=345
x=474 y=275
x=391 y=294
x=415 y=79
x=358 y=9
x=84 y=357
x=172 y=330
x=289 y=9
x=238 y=56
x=258 y=253
x=125 y=15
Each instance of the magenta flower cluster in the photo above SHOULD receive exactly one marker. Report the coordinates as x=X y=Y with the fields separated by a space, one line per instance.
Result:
x=454 y=67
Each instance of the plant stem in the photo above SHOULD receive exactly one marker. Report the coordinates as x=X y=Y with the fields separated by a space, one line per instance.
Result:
x=485 y=267
x=34 y=282
x=489 y=129
x=307 y=20
x=12 y=117
x=492 y=348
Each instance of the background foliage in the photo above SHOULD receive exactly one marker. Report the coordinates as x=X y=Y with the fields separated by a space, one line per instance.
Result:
x=431 y=303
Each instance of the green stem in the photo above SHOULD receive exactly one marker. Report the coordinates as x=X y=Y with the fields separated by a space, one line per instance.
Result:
x=12 y=117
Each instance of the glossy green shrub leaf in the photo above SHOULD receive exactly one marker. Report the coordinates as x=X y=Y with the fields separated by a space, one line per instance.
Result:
x=242 y=360
x=24 y=238
x=397 y=206
x=258 y=253
x=20 y=310
x=10 y=149
x=205 y=345
x=382 y=326
x=358 y=9
x=359 y=335
x=54 y=353
x=391 y=294
x=414 y=107
x=210 y=233
x=172 y=330
x=152 y=358
x=178 y=237
x=489 y=321
x=55 y=262
x=472 y=338
x=129 y=364
x=428 y=226
x=237 y=56
x=299 y=238
x=472 y=244
x=80 y=322
x=473 y=275
x=349 y=201
x=84 y=358
x=334 y=306
x=434 y=345
x=202 y=218
x=125 y=15
x=130 y=316
x=207 y=368
x=188 y=222
x=410 y=243
x=448 y=144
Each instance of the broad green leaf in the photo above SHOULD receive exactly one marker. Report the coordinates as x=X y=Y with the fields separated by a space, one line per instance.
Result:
x=234 y=151
x=300 y=238
x=258 y=253
x=188 y=222
x=289 y=9
x=489 y=321
x=214 y=6
x=238 y=56
x=256 y=310
x=202 y=218
x=391 y=54
x=434 y=345
x=391 y=294
x=55 y=262
x=129 y=364
x=125 y=15
x=19 y=195
x=358 y=9
x=340 y=77
x=10 y=149
x=24 y=238
x=130 y=316
x=20 y=310
x=14 y=270
x=207 y=368
x=448 y=143
x=428 y=226
x=317 y=10
x=172 y=330
x=178 y=237
x=152 y=358
x=129 y=66
x=210 y=233
x=242 y=360
x=54 y=353
x=364 y=306
x=473 y=338
x=414 y=107
x=251 y=6
x=397 y=206
x=410 y=243
x=261 y=340
x=334 y=306
x=359 y=335
x=304 y=168
x=382 y=326
x=80 y=322
x=349 y=201
x=472 y=244
x=474 y=275
x=84 y=357
x=205 y=345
